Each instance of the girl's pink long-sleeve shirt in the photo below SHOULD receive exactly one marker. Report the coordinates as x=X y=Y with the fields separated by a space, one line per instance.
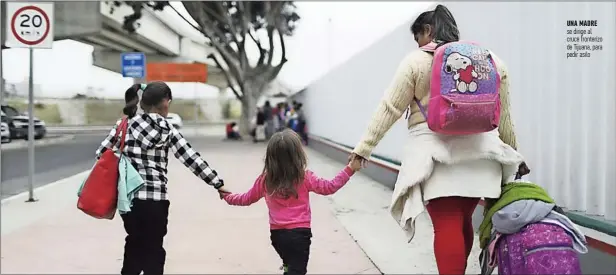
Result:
x=292 y=212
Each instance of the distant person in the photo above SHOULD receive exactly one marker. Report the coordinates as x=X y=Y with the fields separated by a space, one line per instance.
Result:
x=291 y=117
x=282 y=110
x=301 y=123
x=149 y=139
x=447 y=174
x=259 y=130
x=269 y=119
x=232 y=131
x=286 y=185
x=275 y=120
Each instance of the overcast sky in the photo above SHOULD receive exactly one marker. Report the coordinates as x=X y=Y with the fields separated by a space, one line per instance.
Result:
x=329 y=33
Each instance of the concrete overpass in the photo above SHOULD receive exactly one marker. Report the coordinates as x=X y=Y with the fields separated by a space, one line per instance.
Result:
x=162 y=35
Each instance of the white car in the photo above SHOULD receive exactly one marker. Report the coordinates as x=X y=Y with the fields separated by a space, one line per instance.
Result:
x=4 y=129
x=175 y=120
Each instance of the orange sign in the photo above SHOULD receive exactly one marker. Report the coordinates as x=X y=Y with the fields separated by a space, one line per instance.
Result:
x=176 y=72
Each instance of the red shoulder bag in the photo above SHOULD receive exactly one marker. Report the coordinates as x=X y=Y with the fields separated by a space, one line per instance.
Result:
x=99 y=195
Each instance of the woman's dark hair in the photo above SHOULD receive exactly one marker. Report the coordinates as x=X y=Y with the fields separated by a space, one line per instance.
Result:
x=131 y=99
x=285 y=164
x=444 y=27
x=153 y=94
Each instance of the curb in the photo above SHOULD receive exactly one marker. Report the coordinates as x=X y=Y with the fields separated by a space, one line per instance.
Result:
x=15 y=145
x=52 y=198
x=37 y=191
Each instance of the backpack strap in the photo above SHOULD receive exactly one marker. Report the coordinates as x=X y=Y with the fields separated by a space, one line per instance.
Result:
x=421 y=108
x=429 y=48
x=122 y=128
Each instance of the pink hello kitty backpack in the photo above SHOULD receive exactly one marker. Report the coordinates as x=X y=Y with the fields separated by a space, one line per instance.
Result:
x=464 y=90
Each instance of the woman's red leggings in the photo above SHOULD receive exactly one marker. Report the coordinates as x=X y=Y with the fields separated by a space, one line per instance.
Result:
x=453 y=232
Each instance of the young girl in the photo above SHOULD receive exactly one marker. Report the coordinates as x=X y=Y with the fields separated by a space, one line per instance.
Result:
x=150 y=139
x=285 y=183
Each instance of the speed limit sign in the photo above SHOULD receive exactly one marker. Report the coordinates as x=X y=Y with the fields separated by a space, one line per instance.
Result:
x=29 y=25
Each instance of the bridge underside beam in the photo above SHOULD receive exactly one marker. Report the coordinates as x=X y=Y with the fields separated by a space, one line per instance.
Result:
x=110 y=60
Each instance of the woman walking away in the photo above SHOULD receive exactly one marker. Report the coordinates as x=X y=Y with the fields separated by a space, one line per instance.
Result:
x=285 y=183
x=148 y=140
x=452 y=172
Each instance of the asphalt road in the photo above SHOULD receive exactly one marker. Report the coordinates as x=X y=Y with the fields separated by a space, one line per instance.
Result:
x=57 y=161
x=52 y=163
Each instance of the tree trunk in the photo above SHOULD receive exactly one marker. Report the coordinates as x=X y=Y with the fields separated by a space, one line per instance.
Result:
x=249 y=110
x=252 y=90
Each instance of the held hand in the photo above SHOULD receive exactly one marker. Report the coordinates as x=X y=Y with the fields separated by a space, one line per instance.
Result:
x=222 y=192
x=355 y=157
x=355 y=164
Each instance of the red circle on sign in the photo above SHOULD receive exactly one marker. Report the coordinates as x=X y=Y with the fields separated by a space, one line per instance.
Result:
x=19 y=38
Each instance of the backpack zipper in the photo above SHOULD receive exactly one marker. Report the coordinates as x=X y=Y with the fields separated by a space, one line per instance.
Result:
x=554 y=247
x=471 y=103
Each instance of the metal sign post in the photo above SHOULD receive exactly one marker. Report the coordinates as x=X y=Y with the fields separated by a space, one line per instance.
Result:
x=29 y=25
x=31 y=130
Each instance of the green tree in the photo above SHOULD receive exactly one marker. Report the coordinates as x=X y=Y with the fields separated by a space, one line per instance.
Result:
x=229 y=25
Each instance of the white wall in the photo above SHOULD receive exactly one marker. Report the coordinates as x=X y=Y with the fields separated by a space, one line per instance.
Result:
x=564 y=109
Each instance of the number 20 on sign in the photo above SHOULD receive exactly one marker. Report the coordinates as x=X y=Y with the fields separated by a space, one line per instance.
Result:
x=29 y=25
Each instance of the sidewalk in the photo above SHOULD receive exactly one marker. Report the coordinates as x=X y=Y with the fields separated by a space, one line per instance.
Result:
x=205 y=235
x=353 y=231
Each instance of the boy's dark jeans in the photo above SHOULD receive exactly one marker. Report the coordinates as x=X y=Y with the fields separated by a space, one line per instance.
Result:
x=293 y=246
x=146 y=226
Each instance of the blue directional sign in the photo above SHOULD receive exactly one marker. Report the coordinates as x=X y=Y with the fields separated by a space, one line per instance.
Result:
x=133 y=65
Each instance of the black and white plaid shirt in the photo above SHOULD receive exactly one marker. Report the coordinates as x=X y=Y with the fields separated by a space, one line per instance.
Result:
x=147 y=144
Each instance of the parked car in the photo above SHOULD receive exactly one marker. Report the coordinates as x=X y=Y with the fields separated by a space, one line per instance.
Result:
x=5 y=133
x=175 y=120
x=18 y=124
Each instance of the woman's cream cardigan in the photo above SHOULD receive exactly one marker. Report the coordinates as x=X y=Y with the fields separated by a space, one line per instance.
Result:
x=413 y=80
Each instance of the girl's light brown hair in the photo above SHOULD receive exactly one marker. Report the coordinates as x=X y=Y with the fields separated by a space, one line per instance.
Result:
x=285 y=164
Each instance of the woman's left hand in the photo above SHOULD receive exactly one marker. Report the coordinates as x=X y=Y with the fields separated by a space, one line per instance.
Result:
x=523 y=170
